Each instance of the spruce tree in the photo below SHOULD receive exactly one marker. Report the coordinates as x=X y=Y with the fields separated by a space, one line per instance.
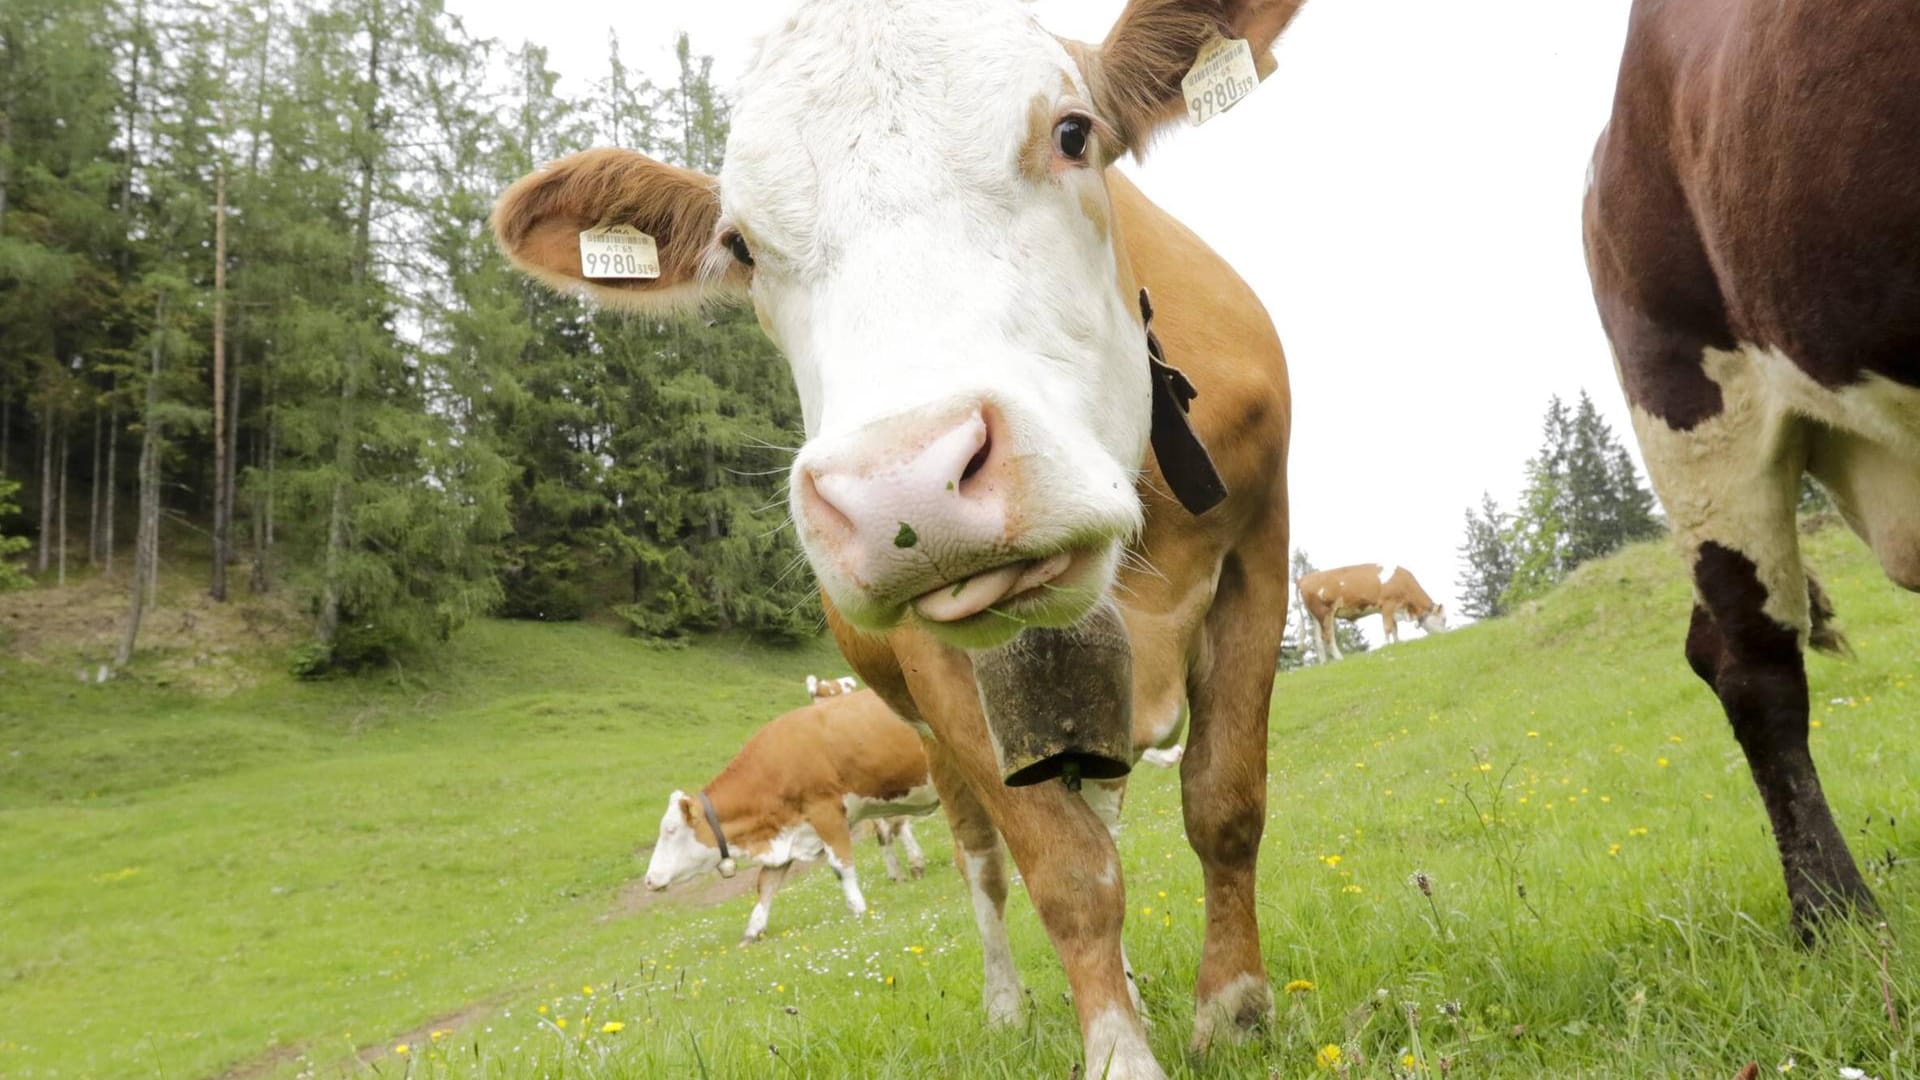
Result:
x=1489 y=561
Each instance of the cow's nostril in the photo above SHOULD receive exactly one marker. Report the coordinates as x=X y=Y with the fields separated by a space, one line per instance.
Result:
x=824 y=512
x=979 y=459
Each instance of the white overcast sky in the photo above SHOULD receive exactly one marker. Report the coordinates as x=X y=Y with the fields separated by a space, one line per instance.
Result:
x=1404 y=195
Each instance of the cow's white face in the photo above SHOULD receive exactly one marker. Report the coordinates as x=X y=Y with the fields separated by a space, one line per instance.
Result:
x=678 y=853
x=919 y=188
x=914 y=201
x=1435 y=621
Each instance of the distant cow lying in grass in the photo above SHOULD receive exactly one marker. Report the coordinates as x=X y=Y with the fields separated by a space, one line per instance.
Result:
x=1352 y=592
x=794 y=793
x=885 y=830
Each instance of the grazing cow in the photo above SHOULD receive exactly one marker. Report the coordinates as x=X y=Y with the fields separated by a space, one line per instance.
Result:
x=794 y=792
x=885 y=830
x=1753 y=235
x=1352 y=592
x=917 y=202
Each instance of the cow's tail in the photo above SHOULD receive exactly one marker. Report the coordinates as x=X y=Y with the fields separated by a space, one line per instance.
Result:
x=1823 y=633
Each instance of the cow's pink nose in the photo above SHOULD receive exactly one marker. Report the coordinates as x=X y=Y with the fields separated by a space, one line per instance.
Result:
x=897 y=496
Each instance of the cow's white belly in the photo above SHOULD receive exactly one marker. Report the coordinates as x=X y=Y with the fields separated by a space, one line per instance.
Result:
x=796 y=842
x=918 y=802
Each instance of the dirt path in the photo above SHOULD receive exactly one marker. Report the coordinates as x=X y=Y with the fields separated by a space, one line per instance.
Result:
x=630 y=899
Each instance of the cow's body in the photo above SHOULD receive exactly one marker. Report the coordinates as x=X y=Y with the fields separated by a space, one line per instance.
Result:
x=886 y=830
x=917 y=202
x=794 y=793
x=1353 y=592
x=1753 y=233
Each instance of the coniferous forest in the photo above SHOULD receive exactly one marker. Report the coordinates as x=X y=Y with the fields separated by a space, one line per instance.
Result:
x=252 y=321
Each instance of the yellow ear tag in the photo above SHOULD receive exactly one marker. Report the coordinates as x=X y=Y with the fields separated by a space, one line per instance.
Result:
x=1221 y=77
x=618 y=251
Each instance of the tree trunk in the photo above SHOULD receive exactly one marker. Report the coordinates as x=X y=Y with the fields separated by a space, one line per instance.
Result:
x=113 y=463
x=6 y=425
x=93 y=497
x=62 y=512
x=227 y=483
x=263 y=507
x=46 y=491
x=6 y=125
x=221 y=524
x=346 y=445
x=146 y=548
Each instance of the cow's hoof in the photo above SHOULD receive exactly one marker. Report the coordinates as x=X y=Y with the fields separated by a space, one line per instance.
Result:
x=1233 y=1014
x=918 y=871
x=1004 y=1008
x=1817 y=908
x=748 y=939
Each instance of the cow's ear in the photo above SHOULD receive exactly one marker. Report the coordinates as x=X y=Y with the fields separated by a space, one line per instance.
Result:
x=539 y=219
x=1135 y=73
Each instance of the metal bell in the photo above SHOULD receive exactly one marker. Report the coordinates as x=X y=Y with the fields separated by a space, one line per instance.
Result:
x=1059 y=702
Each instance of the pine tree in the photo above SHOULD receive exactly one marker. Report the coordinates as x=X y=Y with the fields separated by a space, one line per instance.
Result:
x=1488 y=558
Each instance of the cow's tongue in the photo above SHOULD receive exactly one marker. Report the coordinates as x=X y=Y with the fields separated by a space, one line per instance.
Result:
x=971 y=596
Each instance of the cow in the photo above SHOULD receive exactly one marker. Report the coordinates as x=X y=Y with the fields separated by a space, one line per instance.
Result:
x=885 y=830
x=1752 y=223
x=917 y=203
x=794 y=793
x=1351 y=592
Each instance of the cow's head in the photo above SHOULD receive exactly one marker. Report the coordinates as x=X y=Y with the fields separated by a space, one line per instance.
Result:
x=914 y=201
x=1435 y=620
x=680 y=852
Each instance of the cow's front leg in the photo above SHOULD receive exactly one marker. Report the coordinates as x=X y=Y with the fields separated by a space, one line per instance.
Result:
x=1329 y=639
x=768 y=883
x=1223 y=793
x=830 y=824
x=982 y=864
x=1066 y=859
x=1390 y=624
x=1753 y=661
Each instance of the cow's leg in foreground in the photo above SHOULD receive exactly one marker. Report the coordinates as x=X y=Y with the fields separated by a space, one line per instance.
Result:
x=1078 y=896
x=982 y=864
x=767 y=884
x=1223 y=789
x=1751 y=620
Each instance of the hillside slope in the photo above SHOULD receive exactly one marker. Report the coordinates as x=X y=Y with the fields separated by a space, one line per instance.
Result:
x=295 y=875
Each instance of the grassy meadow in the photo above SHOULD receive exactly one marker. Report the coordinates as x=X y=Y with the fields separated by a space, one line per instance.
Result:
x=436 y=874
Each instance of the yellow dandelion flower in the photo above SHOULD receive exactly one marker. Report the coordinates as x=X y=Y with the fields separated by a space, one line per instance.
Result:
x=1349 y=888
x=403 y=1049
x=612 y=1027
x=1613 y=849
x=587 y=990
x=542 y=1010
x=1148 y=910
x=1707 y=795
x=1530 y=735
x=436 y=1036
x=1162 y=894
x=1606 y=798
x=779 y=988
x=1166 y=920
x=1330 y=860
x=915 y=949
x=889 y=980
x=1485 y=766
x=1661 y=762
x=1406 y=1061
x=1637 y=830
x=1388 y=793
x=1815 y=723
x=560 y=1022
x=1298 y=986
x=1328 y=1057
x=1675 y=739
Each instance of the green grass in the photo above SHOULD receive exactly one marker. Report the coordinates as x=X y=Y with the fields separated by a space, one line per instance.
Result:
x=192 y=883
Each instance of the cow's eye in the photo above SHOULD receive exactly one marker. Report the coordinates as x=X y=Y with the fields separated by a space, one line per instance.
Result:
x=1070 y=137
x=737 y=244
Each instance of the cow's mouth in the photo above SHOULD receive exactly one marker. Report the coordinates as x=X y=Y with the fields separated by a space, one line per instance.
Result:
x=995 y=590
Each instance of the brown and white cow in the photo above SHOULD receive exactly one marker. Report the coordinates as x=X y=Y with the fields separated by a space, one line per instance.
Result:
x=1352 y=592
x=917 y=202
x=794 y=793
x=885 y=829
x=1753 y=234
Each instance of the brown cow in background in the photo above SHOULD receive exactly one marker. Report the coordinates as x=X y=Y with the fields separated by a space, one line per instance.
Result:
x=1353 y=592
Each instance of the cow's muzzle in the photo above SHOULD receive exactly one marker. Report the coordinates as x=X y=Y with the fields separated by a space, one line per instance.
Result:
x=1059 y=702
